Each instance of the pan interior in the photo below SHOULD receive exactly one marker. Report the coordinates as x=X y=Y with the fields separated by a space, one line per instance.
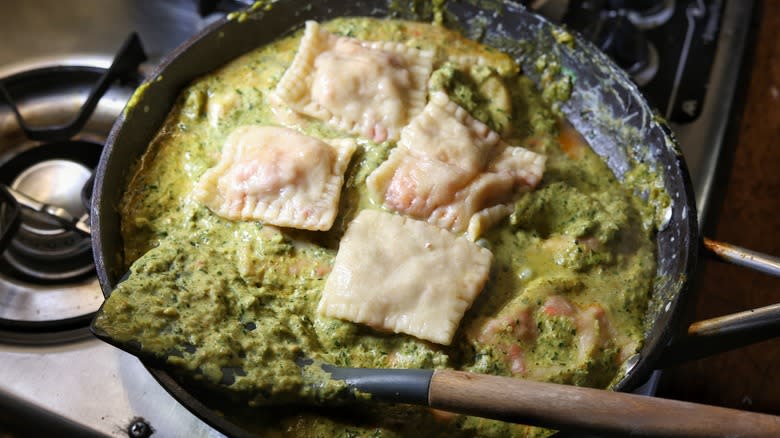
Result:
x=605 y=107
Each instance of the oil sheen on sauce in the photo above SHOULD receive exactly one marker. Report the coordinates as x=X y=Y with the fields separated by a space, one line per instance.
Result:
x=232 y=304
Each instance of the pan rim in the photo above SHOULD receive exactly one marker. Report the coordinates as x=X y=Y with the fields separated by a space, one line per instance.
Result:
x=632 y=377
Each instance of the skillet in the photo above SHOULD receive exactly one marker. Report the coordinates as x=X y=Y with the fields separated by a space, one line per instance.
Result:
x=605 y=107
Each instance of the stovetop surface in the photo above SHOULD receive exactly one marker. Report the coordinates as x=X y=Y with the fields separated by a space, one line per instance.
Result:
x=69 y=376
x=66 y=380
x=90 y=29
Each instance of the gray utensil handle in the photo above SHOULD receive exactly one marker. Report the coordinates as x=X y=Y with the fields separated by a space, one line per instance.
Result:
x=573 y=408
x=391 y=385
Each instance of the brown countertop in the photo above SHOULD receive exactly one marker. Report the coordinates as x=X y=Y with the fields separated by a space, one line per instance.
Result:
x=749 y=216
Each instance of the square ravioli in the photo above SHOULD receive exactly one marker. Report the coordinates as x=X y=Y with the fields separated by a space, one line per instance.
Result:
x=452 y=170
x=278 y=176
x=371 y=89
x=406 y=276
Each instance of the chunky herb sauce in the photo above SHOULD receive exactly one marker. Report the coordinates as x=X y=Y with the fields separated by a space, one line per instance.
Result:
x=233 y=303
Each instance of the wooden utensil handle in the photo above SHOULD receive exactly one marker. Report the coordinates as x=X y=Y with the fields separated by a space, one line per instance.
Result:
x=573 y=408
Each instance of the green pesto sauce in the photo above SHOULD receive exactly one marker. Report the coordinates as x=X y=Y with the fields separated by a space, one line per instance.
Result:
x=233 y=304
x=137 y=95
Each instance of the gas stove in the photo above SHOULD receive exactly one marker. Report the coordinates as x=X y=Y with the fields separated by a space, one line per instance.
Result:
x=54 y=376
x=684 y=55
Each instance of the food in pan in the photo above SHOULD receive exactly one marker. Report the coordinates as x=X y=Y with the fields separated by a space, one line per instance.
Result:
x=403 y=275
x=278 y=176
x=370 y=88
x=449 y=167
x=550 y=259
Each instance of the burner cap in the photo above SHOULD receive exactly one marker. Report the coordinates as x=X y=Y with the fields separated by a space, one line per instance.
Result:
x=55 y=173
x=54 y=182
x=46 y=272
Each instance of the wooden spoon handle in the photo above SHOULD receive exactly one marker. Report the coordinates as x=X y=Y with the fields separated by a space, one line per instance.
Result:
x=573 y=408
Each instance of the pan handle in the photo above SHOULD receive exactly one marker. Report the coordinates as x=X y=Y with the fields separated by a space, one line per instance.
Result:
x=743 y=257
x=723 y=333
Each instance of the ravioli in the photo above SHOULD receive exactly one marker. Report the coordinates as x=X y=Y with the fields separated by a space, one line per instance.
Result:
x=406 y=276
x=449 y=166
x=371 y=89
x=278 y=176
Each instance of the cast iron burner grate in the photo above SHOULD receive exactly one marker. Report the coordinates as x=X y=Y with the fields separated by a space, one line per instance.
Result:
x=52 y=163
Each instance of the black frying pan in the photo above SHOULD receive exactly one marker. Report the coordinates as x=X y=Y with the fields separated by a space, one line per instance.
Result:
x=605 y=107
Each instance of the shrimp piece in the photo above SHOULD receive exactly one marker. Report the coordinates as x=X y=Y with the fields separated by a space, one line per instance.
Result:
x=515 y=321
x=557 y=305
x=598 y=332
x=594 y=330
x=507 y=332
x=516 y=360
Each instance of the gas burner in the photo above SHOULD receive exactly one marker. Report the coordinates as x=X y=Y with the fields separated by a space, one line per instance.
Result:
x=645 y=14
x=617 y=36
x=43 y=249
x=53 y=121
x=666 y=46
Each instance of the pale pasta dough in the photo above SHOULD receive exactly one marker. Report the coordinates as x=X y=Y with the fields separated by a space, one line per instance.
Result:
x=371 y=89
x=278 y=176
x=449 y=166
x=406 y=276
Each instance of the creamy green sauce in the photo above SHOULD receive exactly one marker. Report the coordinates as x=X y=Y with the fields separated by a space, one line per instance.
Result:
x=232 y=304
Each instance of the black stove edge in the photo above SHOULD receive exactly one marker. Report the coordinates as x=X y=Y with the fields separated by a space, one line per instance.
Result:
x=21 y=418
